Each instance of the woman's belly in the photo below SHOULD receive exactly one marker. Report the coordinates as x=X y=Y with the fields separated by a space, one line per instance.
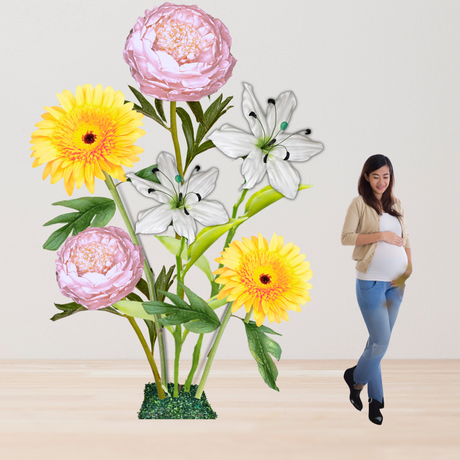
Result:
x=389 y=262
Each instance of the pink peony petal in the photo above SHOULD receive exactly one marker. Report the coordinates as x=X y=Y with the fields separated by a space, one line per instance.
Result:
x=99 y=267
x=179 y=53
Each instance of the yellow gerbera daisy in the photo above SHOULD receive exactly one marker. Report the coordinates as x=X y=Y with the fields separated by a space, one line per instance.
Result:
x=269 y=278
x=92 y=132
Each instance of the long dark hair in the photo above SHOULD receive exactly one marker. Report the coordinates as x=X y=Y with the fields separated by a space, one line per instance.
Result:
x=365 y=190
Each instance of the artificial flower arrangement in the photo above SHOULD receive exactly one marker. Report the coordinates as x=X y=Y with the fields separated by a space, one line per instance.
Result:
x=175 y=53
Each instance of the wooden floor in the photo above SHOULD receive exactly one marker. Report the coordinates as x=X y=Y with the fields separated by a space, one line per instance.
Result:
x=86 y=410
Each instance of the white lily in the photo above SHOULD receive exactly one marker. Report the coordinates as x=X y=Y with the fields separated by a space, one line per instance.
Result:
x=180 y=203
x=267 y=149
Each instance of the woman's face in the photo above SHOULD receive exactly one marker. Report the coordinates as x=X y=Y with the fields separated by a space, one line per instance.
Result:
x=379 y=180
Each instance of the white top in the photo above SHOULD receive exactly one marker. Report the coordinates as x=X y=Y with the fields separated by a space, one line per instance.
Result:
x=389 y=261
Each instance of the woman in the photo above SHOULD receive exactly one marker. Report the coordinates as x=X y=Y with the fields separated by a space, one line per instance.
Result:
x=375 y=225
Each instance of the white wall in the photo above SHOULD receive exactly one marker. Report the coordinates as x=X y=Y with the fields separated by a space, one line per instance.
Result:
x=370 y=77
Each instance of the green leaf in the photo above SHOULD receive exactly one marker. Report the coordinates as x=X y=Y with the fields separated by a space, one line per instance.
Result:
x=204 y=146
x=147 y=174
x=187 y=127
x=159 y=107
x=265 y=197
x=71 y=308
x=197 y=111
x=173 y=246
x=197 y=317
x=67 y=309
x=208 y=236
x=214 y=304
x=110 y=310
x=134 y=297
x=92 y=211
x=134 y=309
x=261 y=347
x=212 y=114
x=164 y=281
x=143 y=287
x=209 y=324
x=147 y=108
x=152 y=333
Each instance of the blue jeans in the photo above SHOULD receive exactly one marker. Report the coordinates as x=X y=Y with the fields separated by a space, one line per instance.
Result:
x=379 y=303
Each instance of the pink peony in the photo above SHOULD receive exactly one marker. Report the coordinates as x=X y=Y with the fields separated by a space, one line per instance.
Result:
x=179 y=53
x=99 y=266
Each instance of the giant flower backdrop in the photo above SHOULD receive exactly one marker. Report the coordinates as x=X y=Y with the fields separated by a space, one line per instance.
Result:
x=175 y=53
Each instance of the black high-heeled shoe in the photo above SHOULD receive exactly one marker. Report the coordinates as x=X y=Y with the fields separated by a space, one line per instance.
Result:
x=354 y=394
x=375 y=416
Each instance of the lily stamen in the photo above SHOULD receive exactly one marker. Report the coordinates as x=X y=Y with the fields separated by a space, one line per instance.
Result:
x=276 y=118
x=169 y=180
x=290 y=135
x=253 y=115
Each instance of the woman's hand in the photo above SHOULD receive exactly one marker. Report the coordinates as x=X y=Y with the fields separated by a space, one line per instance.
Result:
x=392 y=238
x=401 y=280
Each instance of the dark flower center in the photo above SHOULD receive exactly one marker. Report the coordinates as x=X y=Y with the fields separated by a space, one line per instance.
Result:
x=264 y=279
x=89 y=137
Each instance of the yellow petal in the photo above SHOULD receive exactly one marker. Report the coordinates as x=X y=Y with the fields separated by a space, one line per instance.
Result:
x=97 y=99
x=89 y=91
x=108 y=96
x=69 y=185
x=90 y=185
x=46 y=171
x=119 y=99
x=80 y=96
x=55 y=111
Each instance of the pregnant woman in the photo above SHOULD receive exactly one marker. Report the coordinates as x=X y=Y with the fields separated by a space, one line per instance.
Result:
x=375 y=225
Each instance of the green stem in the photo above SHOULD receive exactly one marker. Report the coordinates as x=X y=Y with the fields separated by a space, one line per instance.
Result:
x=175 y=139
x=178 y=348
x=212 y=353
x=231 y=233
x=196 y=360
x=240 y=200
x=180 y=275
x=147 y=270
x=156 y=375
x=248 y=316
x=197 y=349
x=178 y=341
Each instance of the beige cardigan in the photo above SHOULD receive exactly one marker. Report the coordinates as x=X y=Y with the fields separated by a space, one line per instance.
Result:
x=362 y=218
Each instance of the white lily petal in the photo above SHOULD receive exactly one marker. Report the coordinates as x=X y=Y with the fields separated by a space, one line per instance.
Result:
x=142 y=214
x=184 y=225
x=283 y=177
x=259 y=126
x=202 y=183
x=208 y=212
x=155 y=220
x=300 y=147
x=232 y=141
x=282 y=111
x=161 y=194
x=253 y=168
x=167 y=166
x=280 y=152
